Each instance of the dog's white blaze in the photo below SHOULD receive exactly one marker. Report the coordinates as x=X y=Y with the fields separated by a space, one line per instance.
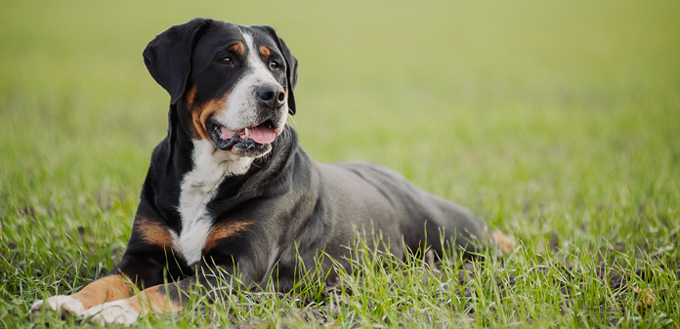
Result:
x=211 y=166
x=241 y=105
x=198 y=188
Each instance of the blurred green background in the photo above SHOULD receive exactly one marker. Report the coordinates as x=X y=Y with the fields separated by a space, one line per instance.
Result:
x=500 y=105
x=545 y=118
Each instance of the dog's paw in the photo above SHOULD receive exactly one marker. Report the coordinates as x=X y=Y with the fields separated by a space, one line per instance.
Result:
x=62 y=304
x=505 y=243
x=116 y=312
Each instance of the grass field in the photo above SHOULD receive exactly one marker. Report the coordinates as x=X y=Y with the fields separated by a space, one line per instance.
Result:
x=558 y=123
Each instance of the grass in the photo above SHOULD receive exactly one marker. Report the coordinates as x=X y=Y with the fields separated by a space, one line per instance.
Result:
x=555 y=122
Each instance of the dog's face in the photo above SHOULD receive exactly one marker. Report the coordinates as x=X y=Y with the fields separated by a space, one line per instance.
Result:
x=236 y=82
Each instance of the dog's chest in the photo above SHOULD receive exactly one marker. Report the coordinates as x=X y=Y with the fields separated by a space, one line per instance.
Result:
x=198 y=188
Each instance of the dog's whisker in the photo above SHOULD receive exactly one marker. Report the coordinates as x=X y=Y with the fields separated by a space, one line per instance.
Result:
x=292 y=118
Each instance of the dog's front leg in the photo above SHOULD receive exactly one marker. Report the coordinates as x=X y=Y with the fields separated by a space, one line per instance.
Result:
x=163 y=298
x=108 y=288
x=127 y=311
x=118 y=284
x=142 y=266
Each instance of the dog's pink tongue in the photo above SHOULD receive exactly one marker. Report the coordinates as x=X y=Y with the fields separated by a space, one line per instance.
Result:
x=262 y=135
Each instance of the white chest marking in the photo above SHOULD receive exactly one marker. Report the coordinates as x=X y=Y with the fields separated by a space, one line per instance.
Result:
x=198 y=188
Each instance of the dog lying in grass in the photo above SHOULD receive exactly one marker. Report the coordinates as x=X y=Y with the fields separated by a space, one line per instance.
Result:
x=230 y=190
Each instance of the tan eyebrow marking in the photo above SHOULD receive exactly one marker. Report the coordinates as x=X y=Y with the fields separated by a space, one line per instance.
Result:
x=265 y=51
x=237 y=48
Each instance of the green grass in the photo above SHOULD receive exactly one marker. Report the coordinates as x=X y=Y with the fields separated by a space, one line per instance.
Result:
x=558 y=123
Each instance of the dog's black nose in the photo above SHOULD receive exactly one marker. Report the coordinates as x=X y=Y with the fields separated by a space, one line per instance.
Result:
x=270 y=96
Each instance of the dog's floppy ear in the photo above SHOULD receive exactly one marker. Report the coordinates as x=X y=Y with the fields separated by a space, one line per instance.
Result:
x=291 y=66
x=291 y=73
x=168 y=56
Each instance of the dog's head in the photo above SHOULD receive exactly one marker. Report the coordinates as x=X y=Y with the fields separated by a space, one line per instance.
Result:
x=236 y=81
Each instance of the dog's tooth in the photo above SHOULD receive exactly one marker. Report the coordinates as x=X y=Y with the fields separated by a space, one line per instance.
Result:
x=247 y=133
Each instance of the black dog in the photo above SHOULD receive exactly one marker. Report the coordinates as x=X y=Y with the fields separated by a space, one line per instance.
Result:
x=231 y=188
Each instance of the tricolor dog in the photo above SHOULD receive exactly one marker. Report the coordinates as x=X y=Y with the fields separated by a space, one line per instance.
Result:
x=230 y=189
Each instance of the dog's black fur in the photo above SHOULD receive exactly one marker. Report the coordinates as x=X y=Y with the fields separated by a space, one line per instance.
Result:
x=285 y=203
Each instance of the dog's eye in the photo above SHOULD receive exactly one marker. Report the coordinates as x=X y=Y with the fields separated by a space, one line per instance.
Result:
x=274 y=65
x=226 y=60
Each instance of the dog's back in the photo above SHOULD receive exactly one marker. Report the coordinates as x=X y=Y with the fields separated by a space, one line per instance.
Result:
x=372 y=196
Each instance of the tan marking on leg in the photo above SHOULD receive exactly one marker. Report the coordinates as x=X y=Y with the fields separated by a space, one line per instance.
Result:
x=201 y=114
x=265 y=51
x=106 y=289
x=238 y=48
x=153 y=300
x=153 y=233
x=504 y=242
x=224 y=230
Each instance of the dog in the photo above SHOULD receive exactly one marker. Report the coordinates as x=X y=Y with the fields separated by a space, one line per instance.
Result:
x=230 y=190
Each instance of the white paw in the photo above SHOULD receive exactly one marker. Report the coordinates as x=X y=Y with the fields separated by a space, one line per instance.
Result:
x=62 y=304
x=117 y=312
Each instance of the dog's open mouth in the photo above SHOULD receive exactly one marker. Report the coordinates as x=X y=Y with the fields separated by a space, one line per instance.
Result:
x=250 y=140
